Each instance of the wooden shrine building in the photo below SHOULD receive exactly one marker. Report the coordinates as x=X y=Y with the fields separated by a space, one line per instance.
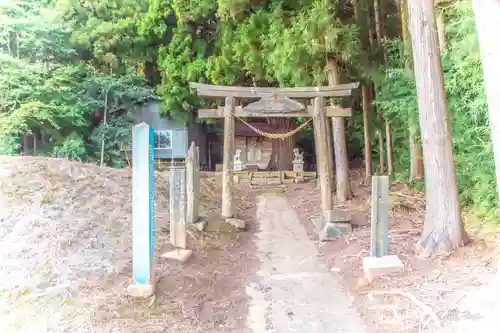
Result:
x=277 y=102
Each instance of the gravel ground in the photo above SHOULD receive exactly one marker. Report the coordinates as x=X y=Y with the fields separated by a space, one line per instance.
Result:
x=65 y=257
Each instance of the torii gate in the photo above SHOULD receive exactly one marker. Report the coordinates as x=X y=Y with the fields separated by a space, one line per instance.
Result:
x=277 y=102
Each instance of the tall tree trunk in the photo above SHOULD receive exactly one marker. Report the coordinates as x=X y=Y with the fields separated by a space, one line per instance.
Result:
x=151 y=72
x=388 y=143
x=487 y=13
x=388 y=135
x=378 y=27
x=282 y=149
x=416 y=160
x=381 y=162
x=443 y=228
x=338 y=127
x=366 y=131
x=440 y=27
x=379 y=16
x=35 y=132
x=355 y=7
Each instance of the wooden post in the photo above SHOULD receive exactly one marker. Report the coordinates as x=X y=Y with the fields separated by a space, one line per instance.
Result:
x=380 y=216
x=178 y=206
x=227 y=166
x=142 y=210
x=324 y=173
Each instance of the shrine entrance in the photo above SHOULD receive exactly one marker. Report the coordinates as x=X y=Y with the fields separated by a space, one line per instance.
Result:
x=277 y=102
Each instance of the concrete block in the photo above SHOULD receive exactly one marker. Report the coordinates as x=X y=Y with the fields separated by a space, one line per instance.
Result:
x=181 y=255
x=299 y=180
x=140 y=290
x=330 y=230
x=237 y=223
x=236 y=179
x=287 y=181
x=338 y=215
x=373 y=266
x=319 y=223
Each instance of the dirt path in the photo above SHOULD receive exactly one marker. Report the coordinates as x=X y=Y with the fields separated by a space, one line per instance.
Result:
x=295 y=292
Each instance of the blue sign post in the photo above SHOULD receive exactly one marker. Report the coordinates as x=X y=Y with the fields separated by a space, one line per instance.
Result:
x=142 y=211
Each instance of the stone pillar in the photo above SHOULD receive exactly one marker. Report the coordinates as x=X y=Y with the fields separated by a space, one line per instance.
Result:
x=237 y=163
x=227 y=167
x=192 y=184
x=196 y=188
x=380 y=216
x=142 y=211
x=178 y=206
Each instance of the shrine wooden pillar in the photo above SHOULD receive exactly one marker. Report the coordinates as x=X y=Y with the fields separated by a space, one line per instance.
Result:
x=227 y=164
x=323 y=157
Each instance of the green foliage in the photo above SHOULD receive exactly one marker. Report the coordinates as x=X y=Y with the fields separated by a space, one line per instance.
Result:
x=43 y=87
x=72 y=147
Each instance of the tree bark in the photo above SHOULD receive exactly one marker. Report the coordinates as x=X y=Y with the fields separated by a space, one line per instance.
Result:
x=282 y=149
x=416 y=160
x=443 y=227
x=487 y=13
x=388 y=143
x=366 y=131
x=378 y=27
x=343 y=186
x=440 y=28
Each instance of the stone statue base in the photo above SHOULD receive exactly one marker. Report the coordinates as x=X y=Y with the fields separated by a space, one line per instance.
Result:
x=298 y=166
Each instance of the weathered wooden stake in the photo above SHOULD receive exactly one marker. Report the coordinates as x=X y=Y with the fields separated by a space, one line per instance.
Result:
x=178 y=206
x=380 y=216
x=142 y=210
x=192 y=183
x=227 y=167
x=322 y=156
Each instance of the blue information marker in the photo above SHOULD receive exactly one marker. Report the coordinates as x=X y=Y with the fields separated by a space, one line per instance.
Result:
x=142 y=211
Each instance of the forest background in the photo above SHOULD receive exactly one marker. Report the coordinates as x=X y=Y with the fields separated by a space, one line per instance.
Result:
x=65 y=63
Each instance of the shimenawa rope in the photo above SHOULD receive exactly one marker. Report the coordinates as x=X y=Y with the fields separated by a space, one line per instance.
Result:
x=280 y=135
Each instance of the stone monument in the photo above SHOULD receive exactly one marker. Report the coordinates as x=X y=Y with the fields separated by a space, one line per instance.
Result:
x=238 y=164
x=143 y=254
